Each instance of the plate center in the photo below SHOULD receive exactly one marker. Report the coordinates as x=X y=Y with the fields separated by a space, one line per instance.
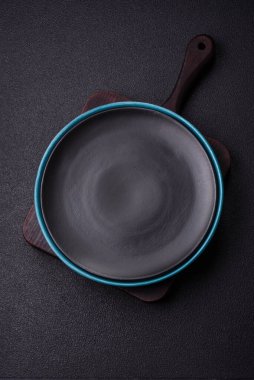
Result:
x=128 y=196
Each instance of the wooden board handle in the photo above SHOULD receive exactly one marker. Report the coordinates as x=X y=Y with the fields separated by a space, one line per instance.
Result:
x=199 y=53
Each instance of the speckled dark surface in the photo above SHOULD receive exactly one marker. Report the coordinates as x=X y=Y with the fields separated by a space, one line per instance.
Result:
x=56 y=324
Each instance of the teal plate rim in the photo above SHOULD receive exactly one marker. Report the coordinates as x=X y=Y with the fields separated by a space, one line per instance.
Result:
x=173 y=271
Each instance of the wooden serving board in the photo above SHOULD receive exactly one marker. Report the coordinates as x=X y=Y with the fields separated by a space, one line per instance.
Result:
x=194 y=61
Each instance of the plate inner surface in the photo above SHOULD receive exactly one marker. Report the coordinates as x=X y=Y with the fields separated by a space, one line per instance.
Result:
x=128 y=194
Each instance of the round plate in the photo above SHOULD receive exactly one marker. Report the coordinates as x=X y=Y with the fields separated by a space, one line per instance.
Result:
x=127 y=192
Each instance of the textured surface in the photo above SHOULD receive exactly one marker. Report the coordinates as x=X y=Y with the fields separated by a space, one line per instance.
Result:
x=128 y=194
x=32 y=231
x=54 y=323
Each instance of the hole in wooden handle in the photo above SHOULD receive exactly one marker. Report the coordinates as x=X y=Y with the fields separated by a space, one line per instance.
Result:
x=201 y=46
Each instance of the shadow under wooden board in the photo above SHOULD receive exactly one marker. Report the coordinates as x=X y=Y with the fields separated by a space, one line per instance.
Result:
x=196 y=59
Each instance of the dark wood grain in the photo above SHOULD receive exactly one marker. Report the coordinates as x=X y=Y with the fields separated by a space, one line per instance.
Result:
x=196 y=58
x=98 y=98
x=199 y=53
x=32 y=232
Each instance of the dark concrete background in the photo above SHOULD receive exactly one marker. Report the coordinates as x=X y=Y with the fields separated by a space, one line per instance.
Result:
x=54 y=323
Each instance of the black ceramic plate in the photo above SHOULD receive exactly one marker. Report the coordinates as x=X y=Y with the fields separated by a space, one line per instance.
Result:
x=128 y=194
